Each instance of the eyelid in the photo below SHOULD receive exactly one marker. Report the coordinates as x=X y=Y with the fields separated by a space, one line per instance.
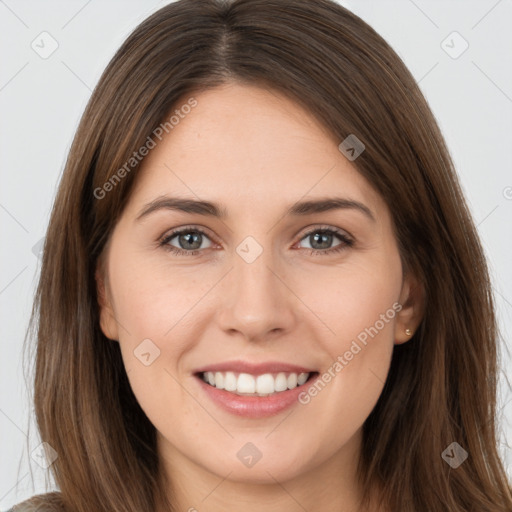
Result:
x=345 y=237
x=171 y=233
x=201 y=229
x=327 y=227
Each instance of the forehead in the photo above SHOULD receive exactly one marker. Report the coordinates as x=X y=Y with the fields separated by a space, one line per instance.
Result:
x=248 y=145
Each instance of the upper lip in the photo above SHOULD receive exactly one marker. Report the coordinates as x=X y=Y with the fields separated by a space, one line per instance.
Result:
x=254 y=368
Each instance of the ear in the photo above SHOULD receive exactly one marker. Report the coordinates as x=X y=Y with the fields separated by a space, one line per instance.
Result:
x=108 y=323
x=412 y=298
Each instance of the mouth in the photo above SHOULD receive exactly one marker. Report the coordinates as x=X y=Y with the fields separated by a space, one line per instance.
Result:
x=254 y=396
x=256 y=385
x=254 y=390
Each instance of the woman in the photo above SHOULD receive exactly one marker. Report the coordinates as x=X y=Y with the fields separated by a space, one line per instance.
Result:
x=248 y=370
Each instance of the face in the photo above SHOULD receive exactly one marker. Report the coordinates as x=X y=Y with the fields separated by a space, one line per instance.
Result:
x=260 y=297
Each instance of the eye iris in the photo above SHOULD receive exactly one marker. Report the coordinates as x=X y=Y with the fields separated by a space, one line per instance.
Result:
x=189 y=238
x=327 y=238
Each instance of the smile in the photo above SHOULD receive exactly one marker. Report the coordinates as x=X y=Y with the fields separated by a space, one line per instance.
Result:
x=245 y=384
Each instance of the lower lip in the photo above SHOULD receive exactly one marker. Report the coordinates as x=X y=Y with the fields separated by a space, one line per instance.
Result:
x=254 y=406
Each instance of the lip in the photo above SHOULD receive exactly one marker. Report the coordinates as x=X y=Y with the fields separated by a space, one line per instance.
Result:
x=254 y=406
x=254 y=368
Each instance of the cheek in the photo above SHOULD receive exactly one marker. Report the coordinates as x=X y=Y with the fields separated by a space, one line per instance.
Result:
x=352 y=298
x=352 y=326
x=153 y=308
x=359 y=307
x=152 y=297
x=157 y=309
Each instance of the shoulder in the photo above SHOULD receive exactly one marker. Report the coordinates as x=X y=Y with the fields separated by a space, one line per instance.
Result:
x=49 y=502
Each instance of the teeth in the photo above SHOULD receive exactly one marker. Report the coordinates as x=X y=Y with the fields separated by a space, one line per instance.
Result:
x=230 y=381
x=281 y=382
x=246 y=383
x=219 y=380
x=265 y=384
x=260 y=385
x=302 y=377
x=292 y=380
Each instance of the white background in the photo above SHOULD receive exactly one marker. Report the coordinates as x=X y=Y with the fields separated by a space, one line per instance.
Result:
x=41 y=101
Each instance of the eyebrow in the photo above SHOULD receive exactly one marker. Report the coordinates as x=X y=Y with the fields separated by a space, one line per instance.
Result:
x=210 y=209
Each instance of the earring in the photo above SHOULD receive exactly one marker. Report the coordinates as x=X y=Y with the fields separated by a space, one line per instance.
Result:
x=408 y=332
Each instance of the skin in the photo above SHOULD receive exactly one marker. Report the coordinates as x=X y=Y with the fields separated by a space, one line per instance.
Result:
x=257 y=153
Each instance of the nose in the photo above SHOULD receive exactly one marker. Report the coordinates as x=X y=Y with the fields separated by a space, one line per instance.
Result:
x=255 y=299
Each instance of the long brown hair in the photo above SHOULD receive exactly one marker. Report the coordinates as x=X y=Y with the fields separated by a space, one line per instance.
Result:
x=441 y=386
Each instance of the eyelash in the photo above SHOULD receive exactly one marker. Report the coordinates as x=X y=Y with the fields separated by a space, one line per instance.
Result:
x=346 y=241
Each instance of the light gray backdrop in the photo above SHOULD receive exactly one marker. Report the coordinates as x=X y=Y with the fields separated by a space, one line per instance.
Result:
x=52 y=54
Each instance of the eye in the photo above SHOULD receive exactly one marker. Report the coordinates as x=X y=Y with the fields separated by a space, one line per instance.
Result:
x=189 y=238
x=321 y=238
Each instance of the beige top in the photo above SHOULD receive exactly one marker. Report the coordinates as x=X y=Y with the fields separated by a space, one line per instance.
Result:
x=46 y=502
